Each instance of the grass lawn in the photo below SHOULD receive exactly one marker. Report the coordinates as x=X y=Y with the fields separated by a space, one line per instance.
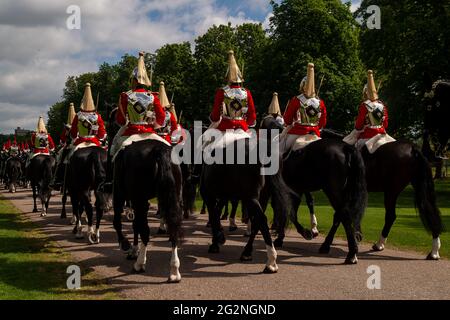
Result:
x=407 y=231
x=31 y=267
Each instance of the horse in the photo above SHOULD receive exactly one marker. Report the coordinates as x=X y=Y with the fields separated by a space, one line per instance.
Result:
x=86 y=171
x=244 y=182
x=39 y=173
x=390 y=169
x=13 y=172
x=338 y=170
x=143 y=170
x=436 y=130
x=269 y=123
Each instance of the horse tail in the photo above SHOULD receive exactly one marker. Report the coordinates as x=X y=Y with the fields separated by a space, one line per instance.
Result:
x=424 y=194
x=356 y=187
x=168 y=195
x=282 y=195
x=46 y=172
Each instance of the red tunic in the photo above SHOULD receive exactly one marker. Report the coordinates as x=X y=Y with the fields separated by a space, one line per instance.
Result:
x=51 y=144
x=101 y=132
x=250 y=116
x=121 y=118
x=63 y=136
x=173 y=126
x=299 y=129
x=361 y=124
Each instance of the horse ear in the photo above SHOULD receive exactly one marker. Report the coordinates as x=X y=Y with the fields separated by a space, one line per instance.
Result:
x=427 y=81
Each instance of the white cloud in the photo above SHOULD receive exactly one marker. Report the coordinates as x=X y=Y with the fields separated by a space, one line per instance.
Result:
x=38 y=51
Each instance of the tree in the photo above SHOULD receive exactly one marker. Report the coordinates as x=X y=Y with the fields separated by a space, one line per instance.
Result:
x=414 y=40
x=323 y=32
x=211 y=60
x=174 y=64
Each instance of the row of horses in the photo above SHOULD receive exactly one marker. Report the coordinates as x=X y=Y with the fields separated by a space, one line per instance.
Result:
x=144 y=170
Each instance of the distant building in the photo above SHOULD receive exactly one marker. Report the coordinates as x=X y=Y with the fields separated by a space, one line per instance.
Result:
x=19 y=132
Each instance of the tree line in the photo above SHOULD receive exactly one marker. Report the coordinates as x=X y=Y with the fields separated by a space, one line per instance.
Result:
x=413 y=42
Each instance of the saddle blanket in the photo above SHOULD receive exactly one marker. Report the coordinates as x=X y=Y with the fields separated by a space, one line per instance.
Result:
x=82 y=145
x=377 y=141
x=123 y=141
x=293 y=142
x=215 y=139
x=38 y=154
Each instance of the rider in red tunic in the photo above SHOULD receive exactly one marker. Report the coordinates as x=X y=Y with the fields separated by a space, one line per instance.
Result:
x=42 y=142
x=87 y=125
x=373 y=114
x=233 y=104
x=170 y=123
x=305 y=114
x=139 y=106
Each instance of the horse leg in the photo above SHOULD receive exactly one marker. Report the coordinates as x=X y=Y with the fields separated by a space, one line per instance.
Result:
x=64 y=200
x=232 y=219
x=351 y=240
x=305 y=233
x=175 y=275
x=99 y=208
x=33 y=187
x=390 y=201
x=310 y=203
x=203 y=211
x=141 y=210
x=214 y=218
x=260 y=220
x=252 y=232
x=78 y=229
x=134 y=249
x=118 y=204
x=223 y=205
x=325 y=247
x=43 y=199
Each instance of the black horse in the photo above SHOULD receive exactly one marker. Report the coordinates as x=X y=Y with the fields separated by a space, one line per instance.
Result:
x=390 y=170
x=269 y=123
x=437 y=113
x=338 y=170
x=86 y=171
x=13 y=172
x=233 y=182
x=39 y=173
x=143 y=170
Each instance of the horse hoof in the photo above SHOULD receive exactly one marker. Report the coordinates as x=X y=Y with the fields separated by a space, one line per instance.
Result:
x=131 y=257
x=224 y=217
x=138 y=268
x=376 y=248
x=93 y=239
x=124 y=245
x=278 y=243
x=79 y=236
x=307 y=234
x=35 y=210
x=324 y=249
x=315 y=233
x=161 y=231
x=43 y=214
x=232 y=229
x=63 y=216
x=221 y=238
x=73 y=220
x=203 y=211
x=351 y=260
x=214 y=248
x=270 y=270
x=246 y=257
x=432 y=257
x=358 y=236
x=175 y=278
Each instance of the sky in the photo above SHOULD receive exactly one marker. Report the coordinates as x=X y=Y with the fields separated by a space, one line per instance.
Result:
x=38 y=52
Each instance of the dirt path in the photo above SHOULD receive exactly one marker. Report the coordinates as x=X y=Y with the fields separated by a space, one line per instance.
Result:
x=303 y=273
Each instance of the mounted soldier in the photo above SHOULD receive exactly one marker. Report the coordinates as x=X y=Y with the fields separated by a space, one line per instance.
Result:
x=170 y=124
x=88 y=128
x=41 y=141
x=233 y=110
x=372 y=120
x=305 y=116
x=65 y=142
